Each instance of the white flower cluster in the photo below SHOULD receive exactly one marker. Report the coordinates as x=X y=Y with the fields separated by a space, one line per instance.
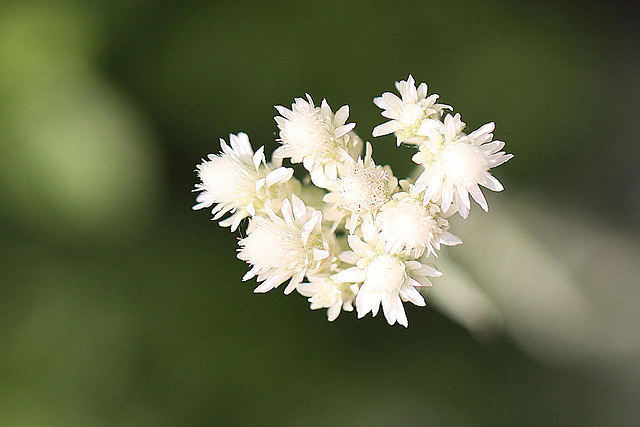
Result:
x=349 y=233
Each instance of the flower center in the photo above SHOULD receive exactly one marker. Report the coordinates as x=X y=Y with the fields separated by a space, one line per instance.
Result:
x=464 y=164
x=227 y=180
x=273 y=246
x=306 y=133
x=385 y=273
x=411 y=115
x=364 y=189
x=408 y=223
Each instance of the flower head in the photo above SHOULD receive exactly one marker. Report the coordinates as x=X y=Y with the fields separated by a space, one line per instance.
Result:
x=317 y=138
x=287 y=247
x=408 y=111
x=386 y=279
x=362 y=188
x=458 y=166
x=240 y=181
x=407 y=224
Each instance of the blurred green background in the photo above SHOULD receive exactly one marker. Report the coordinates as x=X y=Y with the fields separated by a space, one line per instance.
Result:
x=121 y=306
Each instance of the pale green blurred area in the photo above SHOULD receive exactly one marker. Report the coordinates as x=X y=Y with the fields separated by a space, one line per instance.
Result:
x=121 y=306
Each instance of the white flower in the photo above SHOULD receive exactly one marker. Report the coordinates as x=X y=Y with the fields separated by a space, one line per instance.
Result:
x=317 y=138
x=362 y=189
x=406 y=224
x=387 y=279
x=284 y=248
x=407 y=113
x=324 y=292
x=240 y=181
x=458 y=167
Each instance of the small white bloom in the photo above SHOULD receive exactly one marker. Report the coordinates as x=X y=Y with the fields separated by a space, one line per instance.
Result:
x=362 y=189
x=387 y=279
x=284 y=248
x=317 y=138
x=407 y=224
x=407 y=113
x=240 y=181
x=458 y=167
x=324 y=292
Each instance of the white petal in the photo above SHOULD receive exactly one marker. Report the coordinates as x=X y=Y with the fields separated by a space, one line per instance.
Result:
x=450 y=239
x=310 y=225
x=357 y=244
x=394 y=311
x=411 y=294
x=251 y=209
x=308 y=162
x=293 y=283
x=447 y=197
x=367 y=302
x=325 y=110
x=241 y=144
x=432 y=99
x=380 y=102
x=349 y=257
x=278 y=175
x=258 y=157
x=333 y=312
x=320 y=254
x=392 y=100
x=486 y=128
x=386 y=128
x=413 y=265
x=499 y=159
x=422 y=91
x=492 y=183
x=422 y=280
x=350 y=275
x=391 y=114
x=319 y=178
x=463 y=196
x=270 y=283
x=331 y=172
x=286 y=212
x=251 y=273
x=308 y=289
x=427 y=270
x=299 y=208
x=284 y=111
x=461 y=209
x=233 y=221
x=352 y=222
x=477 y=195
x=310 y=100
x=493 y=146
x=341 y=115
x=428 y=126
x=225 y=149
x=343 y=130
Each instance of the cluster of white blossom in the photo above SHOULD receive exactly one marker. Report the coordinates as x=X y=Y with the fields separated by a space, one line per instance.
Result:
x=349 y=233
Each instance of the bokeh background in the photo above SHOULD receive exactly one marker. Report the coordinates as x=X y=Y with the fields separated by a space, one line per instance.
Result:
x=121 y=306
